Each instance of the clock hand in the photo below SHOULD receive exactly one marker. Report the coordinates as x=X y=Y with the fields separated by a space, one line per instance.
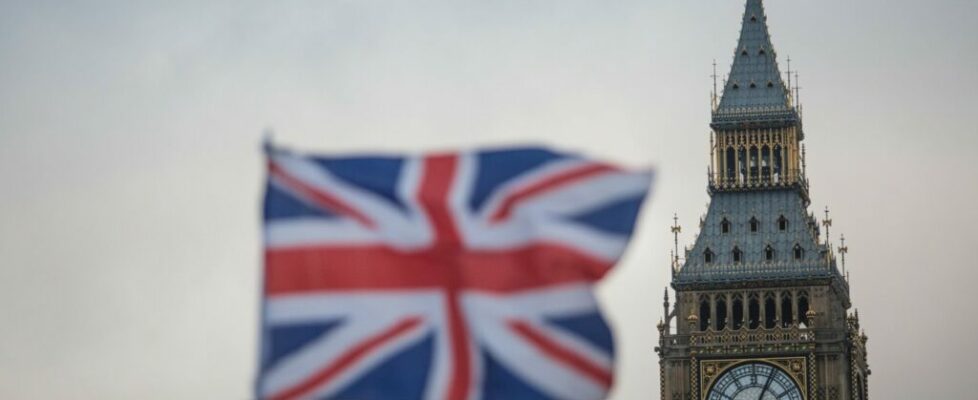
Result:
x=766 y=385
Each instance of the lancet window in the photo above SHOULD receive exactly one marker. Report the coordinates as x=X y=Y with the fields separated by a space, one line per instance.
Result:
x=742 y=164
x=704 y=313
x=753 y=312
x=803 y=308
x=786 y=309
x=770 y=311
x=738 y=312
x=721 y=305
x=766 y=163
x=731 y=166
x=753 y=164
x=777 y=163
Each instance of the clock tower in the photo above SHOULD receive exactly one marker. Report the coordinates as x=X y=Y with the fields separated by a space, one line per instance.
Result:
x=761 y=308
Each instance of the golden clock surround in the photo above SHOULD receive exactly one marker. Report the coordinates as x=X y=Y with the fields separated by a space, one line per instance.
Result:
x=795 y=367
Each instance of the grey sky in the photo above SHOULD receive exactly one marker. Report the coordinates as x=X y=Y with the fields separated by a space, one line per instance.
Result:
x=131 y=174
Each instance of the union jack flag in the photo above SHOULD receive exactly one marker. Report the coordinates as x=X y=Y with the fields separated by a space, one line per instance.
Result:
x=447 y=276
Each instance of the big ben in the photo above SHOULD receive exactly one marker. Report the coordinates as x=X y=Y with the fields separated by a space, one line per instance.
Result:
x=762 y=307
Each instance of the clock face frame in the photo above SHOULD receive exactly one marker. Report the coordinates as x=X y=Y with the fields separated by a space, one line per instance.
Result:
x=754 y=380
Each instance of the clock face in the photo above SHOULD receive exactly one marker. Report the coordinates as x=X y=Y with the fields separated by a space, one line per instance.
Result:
x=754 y=381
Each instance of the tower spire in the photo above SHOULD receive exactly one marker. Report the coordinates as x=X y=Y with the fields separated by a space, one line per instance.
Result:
x=754 y=82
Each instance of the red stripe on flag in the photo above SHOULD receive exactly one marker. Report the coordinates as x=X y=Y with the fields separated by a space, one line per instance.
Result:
x=436 y=185
x=355 y=354
x=458 y=388
x=560 y=353
x=321 y=198
x=309 y=269
x=551 y=183
x=435 y=196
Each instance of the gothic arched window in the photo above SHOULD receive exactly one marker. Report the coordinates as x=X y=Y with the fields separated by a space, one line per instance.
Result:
x=753 y=164
x=708 y=256
x=786 y=310
x=731 y=165
x=803 y=308
x=704 y=313
x=738 y=312
x=766 y=163
x=770 y=311
x=724 y=226
x=737 y=254
x=721 y=312
x=769 y=253
x=782 y=223
x=755 y=225
x=742 y=164
x=753 y=312
x=799 y=252
x=777 y=162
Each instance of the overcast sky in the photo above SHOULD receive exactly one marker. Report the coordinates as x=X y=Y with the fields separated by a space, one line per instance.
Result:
x=131 y=173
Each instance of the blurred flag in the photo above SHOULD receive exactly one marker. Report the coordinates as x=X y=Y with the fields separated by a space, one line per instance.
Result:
x=445 y=276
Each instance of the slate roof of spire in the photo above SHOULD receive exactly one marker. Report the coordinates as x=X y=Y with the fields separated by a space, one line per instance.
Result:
x=754 y=85
x=766 y=207
x=767 y=253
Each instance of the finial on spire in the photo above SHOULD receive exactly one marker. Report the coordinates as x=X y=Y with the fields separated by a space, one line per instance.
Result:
x=665 y=308
x=827 y=222
x=713 y=98
x=788 y=72
x=675 y=239
x=843 y=249
x=797 y=92
x=672 y=263
x=713 y=171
